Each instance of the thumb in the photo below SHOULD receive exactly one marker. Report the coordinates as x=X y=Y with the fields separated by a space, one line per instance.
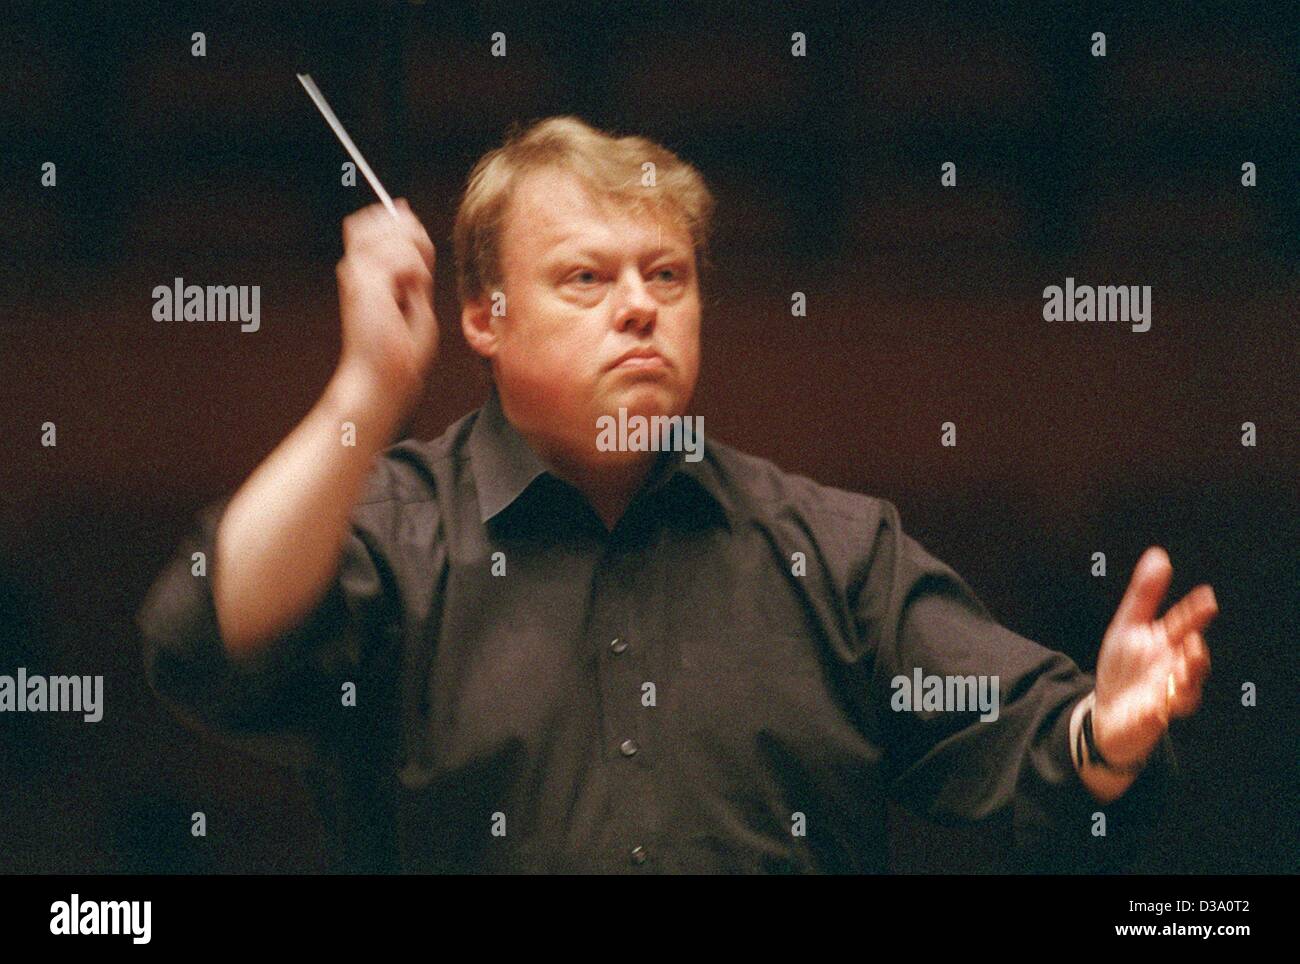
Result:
x=1150 y=582
x=423 y=322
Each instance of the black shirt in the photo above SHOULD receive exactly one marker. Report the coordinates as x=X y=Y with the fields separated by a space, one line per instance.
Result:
x=495 y=682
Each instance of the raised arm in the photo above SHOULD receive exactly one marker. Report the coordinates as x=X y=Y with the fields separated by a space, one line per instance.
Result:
x=283 y=533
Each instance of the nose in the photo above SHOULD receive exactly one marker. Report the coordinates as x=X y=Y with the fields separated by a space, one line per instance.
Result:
x=637 y=309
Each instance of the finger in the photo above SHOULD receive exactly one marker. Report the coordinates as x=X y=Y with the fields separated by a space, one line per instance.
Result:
x=1197 y=652
x=423 y=243
x=366 y=225
x=1184 y=674
x=385 y=243
x=1191 y=670
x=1187 y=699
x=1147 y=587
x=1196 y=655
x=424 y=326
x=416 y=301
x=407 y=267
x=413 y=296
x=1191 y=614
x=416 y=232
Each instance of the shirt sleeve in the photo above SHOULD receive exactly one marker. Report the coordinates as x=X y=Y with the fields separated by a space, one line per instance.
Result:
x=286 y=706
x=952 y=766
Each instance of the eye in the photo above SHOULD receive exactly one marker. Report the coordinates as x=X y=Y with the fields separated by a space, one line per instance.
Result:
x=672 y=273
x=583 y=276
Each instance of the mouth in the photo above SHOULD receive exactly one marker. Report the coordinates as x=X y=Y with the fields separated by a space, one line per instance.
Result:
x=640 y=359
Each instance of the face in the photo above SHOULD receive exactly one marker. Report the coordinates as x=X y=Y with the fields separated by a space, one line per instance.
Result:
x=586 y=284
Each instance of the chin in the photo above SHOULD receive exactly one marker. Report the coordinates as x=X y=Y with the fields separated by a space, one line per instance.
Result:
x=648 y=399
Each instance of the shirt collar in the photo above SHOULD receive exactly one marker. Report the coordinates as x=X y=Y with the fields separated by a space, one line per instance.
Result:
x=505 y=466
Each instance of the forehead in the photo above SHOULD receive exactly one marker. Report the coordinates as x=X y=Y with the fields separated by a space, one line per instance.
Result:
x=552 y=209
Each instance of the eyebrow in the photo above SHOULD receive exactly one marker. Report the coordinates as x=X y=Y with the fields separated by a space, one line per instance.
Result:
x=558 y=252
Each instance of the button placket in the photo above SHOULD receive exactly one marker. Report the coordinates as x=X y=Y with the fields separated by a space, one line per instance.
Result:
x=620 y=657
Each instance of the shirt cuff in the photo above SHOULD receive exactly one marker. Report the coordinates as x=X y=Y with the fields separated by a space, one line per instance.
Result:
x=1060 y=827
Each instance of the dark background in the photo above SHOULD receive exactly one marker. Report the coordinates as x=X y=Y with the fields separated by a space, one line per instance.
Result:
x=924 y=305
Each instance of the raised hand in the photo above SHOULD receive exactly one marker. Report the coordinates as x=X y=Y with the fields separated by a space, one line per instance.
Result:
x=1150 y=670
x=385 y=278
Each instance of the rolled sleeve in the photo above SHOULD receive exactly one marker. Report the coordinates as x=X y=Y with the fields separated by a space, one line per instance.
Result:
x=282 y=705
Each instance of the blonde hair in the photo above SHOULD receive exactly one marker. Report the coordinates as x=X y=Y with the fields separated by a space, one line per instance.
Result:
x=612 y=166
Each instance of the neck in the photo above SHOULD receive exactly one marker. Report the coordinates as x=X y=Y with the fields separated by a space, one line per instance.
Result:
x=608 y=487
x=609 y=483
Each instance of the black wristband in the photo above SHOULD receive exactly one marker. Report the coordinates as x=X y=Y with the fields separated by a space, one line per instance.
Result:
x=1094 y=755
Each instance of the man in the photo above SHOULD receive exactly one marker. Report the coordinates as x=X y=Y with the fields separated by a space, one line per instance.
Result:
x=511 y=648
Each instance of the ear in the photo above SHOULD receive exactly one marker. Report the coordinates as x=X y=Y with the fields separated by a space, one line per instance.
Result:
x=478 y=326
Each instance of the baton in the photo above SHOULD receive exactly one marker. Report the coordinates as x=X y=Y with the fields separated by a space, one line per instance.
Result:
x=319 y=100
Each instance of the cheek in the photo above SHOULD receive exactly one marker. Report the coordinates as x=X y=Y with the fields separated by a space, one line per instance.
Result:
x=548 y=396
x=549 y=351
x=688 y=333
x=544 y=391
x=530 y=324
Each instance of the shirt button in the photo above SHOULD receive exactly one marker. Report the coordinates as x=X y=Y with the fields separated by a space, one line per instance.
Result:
x=639 y=855
x=618 y=644
x=628 y=747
